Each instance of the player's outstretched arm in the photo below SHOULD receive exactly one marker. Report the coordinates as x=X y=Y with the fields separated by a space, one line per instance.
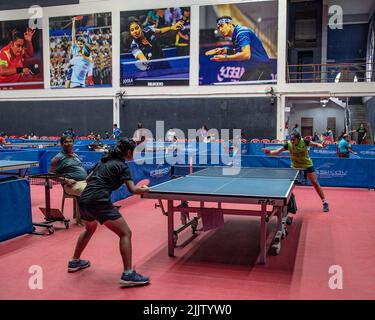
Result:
x=273 y=152
x=317 y=145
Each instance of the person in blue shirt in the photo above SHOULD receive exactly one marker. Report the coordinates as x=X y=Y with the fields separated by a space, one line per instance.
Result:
x=246 y=47
x=82 y=68
x=116 y=131
x=76 y=48
x=344 y=147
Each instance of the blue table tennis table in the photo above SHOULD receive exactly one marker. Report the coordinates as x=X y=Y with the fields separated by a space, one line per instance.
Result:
x=264 y=187
x=31 y=145
x=10 y=165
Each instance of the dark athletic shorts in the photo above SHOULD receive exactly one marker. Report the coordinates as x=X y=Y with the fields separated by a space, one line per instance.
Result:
x=309 y=170
x=100 y=215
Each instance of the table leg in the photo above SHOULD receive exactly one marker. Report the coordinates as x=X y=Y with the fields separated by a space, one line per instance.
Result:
x=48 y=199
x=170 y=229
x=263 y=235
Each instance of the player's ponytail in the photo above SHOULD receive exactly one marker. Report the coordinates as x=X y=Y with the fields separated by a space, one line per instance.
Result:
x=123 y=147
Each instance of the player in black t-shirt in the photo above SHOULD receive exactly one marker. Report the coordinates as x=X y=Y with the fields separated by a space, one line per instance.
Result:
x=96 y=206
x=145 y=45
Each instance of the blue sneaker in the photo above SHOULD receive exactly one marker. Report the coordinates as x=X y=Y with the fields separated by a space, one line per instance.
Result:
x=75 y=265
x=325 y=207
x=133 y=279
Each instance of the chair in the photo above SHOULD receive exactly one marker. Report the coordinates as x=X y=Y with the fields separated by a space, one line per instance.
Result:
x=76 y=214
x=265 y=140
x=255 y=140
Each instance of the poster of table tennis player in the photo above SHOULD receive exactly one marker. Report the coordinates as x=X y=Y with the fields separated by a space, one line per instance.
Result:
x=155 y=46
x=21 y=56
x=238 y=43
x=81 y=51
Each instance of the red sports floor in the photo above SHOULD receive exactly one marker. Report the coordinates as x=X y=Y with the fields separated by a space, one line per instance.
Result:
x=218 y=264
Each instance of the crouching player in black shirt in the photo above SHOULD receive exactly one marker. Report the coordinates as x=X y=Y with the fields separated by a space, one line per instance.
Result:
x=95 y=206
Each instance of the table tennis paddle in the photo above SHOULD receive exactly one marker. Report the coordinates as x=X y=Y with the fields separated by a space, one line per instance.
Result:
x=77 y=18
x=143 y=182
x=266 y=151
x=212 y=52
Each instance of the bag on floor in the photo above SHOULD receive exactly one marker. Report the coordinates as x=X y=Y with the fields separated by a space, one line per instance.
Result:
x=292 y=204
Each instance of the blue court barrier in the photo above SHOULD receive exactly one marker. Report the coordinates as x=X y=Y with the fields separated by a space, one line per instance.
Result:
x=332 y=171
x=365 y=151
x=155 y=173
x=343 y=172
x=15 y=208
x=372 y=174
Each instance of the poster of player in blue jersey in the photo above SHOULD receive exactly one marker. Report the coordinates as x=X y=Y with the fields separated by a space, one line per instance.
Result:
x=81 y=51
x=155 y=47
x=238 y=43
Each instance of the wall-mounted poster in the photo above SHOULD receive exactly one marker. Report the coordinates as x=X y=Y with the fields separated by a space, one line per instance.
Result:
x=81 y=51
x=238 y=43
x=155 y=47
x=21 y=56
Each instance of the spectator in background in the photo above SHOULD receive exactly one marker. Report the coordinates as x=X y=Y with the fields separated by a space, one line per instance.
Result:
x=97 y=145
x=2 y=140
x=91 y=136
x=170 y=136
x=116 y=132
x=203 y=133
x=172 y=15
x=32 y=136
x=362 y=133
x=315 y=137
x=344 y=147
x=139 y=134
x=70 y=132
x=183 y=35
x=295 y=129
x=152 y=18
x=107 y=135
x=328 y=135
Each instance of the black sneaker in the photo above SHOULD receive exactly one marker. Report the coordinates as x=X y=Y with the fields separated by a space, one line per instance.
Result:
x=325 y=207
x=75 y=265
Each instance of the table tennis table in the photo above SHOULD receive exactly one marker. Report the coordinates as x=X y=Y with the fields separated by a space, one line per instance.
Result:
x=9 y=165
x=30 y=145
x=264 y=187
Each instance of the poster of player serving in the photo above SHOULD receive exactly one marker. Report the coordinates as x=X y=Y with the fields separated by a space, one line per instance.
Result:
x=238 y=43
x=155 y=46
x=81 y=51
x=21 y=56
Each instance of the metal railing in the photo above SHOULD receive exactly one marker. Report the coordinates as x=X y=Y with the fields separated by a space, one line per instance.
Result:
x=331 y=72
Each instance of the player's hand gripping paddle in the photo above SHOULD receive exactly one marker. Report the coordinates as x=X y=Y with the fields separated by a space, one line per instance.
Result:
x=143 y=182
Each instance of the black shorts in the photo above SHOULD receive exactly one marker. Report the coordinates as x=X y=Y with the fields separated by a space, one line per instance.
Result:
x=100 y=215
x=309 y=170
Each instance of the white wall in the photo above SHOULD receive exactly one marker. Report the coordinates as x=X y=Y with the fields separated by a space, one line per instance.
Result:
x=319 y=114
